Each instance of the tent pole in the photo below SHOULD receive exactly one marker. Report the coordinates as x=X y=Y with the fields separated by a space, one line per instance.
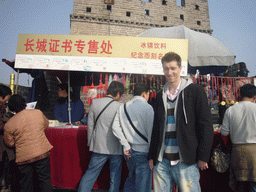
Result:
x=69 y=108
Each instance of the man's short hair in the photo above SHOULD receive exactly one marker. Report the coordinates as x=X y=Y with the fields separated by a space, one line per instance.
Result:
x=63 y=86
x=171 y=56
x=114 y=88
x=4 y=91
x=248 y=90
x=16 y=103
x=140 y=88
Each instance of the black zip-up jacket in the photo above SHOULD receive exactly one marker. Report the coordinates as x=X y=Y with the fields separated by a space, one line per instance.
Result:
x=194 y=129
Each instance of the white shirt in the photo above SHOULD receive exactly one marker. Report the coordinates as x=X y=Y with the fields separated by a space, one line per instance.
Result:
x=240 y=121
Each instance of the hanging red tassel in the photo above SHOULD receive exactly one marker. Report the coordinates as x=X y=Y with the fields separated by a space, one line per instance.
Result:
x=101 y=89
x=85 y=88
x=92 y=92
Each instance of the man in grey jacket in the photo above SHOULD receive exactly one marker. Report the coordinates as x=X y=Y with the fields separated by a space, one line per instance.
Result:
x=101 y=141
x=133 y=125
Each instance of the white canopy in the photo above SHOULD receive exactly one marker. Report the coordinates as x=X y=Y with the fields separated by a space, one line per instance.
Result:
x=203 y=49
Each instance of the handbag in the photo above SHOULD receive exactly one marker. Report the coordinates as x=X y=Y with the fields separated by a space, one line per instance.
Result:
x=136 y=130
x=221 y=155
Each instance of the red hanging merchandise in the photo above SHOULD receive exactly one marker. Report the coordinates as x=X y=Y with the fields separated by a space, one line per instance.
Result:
x=218 y=88
x=222 y=87
x=208 y=86
x=212 y=86
x=85 y=88
x=106 y=82
x=101 y=92
x=92 y=92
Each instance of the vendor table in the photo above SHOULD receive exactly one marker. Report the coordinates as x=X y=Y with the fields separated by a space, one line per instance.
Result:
x=70 y=158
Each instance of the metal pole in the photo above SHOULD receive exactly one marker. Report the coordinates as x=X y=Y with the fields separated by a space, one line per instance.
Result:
x=69 y=107
x=17 y=82
x=12 y=80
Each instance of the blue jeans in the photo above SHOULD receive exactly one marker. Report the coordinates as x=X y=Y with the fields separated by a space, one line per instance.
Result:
x=96 y=163
x=140 y=175
x=185 y=176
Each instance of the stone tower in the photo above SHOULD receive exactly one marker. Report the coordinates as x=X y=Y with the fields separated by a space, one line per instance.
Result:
x=132 y=17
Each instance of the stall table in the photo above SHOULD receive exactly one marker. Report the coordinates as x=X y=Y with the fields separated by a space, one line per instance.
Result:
x=70 y=158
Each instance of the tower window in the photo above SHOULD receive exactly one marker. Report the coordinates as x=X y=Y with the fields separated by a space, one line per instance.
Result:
x=198 y=22
x=88 y=9
x=182 y=17
x=164 y=18
x=146 y=12
x=197 y=7
x=180 y=3
x=128 y=14
x=109 y=7
x=164 y=2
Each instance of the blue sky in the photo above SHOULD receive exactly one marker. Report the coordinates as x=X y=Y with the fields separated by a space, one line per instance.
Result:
x=232 y=21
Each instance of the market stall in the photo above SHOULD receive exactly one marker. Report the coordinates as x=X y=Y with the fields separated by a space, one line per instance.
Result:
x=126 y=59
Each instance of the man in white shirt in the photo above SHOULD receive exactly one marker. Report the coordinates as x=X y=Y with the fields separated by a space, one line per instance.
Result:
x=240 y=122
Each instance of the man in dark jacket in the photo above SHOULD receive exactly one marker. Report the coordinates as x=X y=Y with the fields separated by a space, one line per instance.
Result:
x=182 y=135
x=7 y=154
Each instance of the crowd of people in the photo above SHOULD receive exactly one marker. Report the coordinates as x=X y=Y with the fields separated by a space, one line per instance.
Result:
x=171 y=138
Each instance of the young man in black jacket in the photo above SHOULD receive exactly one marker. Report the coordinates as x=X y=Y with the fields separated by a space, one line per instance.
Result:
x=182 y=134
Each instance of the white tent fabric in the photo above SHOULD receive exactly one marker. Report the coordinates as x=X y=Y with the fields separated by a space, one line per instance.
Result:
x=203 y=49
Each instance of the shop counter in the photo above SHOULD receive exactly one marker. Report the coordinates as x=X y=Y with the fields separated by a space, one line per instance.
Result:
x=70 y=157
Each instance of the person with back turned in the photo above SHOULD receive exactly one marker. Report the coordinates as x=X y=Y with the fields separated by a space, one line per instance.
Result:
x=133 y=125
x=101 y=141
x=240 y=122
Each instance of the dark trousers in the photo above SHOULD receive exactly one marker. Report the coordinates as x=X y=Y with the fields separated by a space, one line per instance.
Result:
x=38 y=171
x=8 y=173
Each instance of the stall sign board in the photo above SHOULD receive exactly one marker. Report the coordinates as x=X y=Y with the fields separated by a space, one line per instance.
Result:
x=115 y=54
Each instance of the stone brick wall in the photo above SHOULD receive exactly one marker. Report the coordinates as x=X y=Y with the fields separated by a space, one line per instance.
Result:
x=94 y=18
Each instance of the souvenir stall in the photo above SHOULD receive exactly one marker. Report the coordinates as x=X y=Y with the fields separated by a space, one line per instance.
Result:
x=103 y=59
